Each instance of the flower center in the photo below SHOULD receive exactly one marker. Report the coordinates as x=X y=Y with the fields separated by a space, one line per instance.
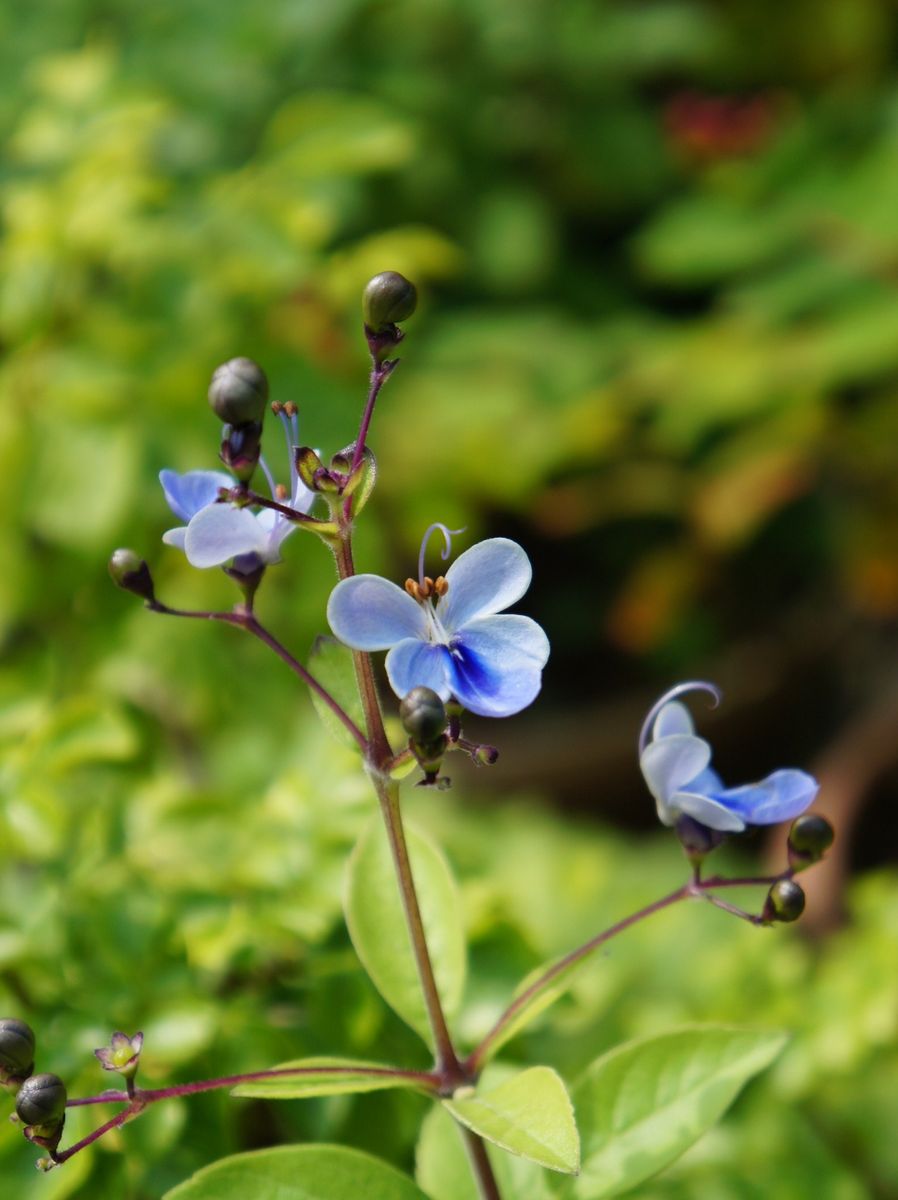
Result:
x=427 y=593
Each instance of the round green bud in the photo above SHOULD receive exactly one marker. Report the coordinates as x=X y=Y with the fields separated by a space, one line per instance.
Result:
x=388 y=298
x=423 y=715
x=785 y=902
x=41 y=1100
x=238 y=392
x=129 y=571
x=810 y=837
x=16 y=1047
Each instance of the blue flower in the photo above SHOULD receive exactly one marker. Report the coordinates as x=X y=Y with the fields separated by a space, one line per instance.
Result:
x=216 y=532
x=675 y=766
x=446 y=634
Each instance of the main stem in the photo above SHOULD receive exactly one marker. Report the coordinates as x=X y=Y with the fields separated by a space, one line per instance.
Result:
x=380 y=755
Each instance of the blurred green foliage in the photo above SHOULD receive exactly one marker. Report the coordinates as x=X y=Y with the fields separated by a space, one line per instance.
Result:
x=657 y=248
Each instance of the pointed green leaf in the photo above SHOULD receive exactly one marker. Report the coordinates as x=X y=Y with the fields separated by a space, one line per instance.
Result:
x=376 y=921
x=443 y=1170
x=530 y=1115
x=641 y=1105
x=298 y=1173
x=324 y=1077
x=331 y=664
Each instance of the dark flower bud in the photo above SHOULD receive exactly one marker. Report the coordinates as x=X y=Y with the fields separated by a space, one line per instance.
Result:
x=696 y=839
x=130 y=572
x=423 y=715
x=785 y=902
x=485 y=756
x=41 y=1102
x=241 y=447
x=16 y=1049
x=238 y=392
x=388 y=298
x=809 y=839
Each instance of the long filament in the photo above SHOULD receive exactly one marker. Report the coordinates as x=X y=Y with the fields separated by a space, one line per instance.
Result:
x=268 y=476
x=290 y=426
x=681 y=689
x=448 y=535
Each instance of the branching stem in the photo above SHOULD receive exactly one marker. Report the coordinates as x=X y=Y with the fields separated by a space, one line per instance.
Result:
x=695 y=889
x=244 y=619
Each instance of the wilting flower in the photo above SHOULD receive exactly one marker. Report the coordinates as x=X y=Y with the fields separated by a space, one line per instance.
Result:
x=122 y=1054
x=446 y=634
x=216 y=532
x=675 y=765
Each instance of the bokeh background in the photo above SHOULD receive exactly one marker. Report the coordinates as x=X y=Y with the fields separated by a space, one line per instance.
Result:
x=657 y=249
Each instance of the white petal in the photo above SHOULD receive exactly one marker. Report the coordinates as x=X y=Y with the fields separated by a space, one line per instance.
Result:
x=175 y=537
x=673 y=718
x=671 y=763
x=413 y=663
x=303 y=498
x=707 y=812
x=186 y=494
x=219 y=532
x=368 y=612
x=485 y=579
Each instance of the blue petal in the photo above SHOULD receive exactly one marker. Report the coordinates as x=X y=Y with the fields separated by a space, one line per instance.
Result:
x=669 y=765
x=708 y=782
x=219 y=532
x=780 y=797
x=187 y=494
x=485 y=579
x=673 y=718
x=496 y=665
x=707 y=810
x=371 y=613
x=413 y=663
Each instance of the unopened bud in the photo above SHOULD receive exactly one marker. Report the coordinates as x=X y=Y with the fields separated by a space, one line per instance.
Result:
x=240 y=449
x=238 y=392
x=16 y=1049
x=388 y=298
x=697 y=839
x=423 y=715
x=785 y=902
x=809 y=839
x=129 y=571
x=41 y=1102
x=485 y=756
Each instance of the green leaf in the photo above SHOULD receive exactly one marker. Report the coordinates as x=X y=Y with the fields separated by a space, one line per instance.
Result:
x=349 y=1076
x=331 y=664
x=298 y=1173
x=443 y=1170
x=376 y=921
x=530 y=1115
x=641 y=1105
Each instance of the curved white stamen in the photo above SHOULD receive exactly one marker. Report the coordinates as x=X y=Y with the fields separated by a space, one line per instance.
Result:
x=436 y=633
x=290 y=426
x=448 y=535
x=681 y=689
x=268 y=476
